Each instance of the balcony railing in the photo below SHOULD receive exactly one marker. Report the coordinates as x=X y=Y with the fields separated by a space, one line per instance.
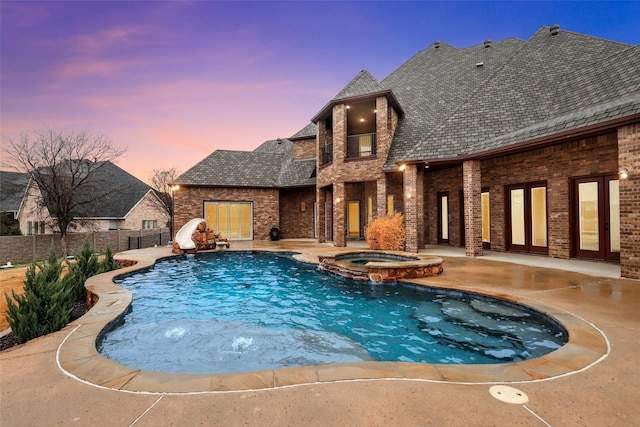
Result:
x=327 y=154
x=362 y=145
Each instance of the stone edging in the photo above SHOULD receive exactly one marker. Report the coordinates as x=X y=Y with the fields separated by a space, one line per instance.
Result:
x=78 y=357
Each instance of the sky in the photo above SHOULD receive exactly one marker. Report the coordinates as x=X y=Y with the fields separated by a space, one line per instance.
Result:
x=173 y=81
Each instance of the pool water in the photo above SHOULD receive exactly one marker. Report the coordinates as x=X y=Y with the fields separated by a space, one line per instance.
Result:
x=246 y=311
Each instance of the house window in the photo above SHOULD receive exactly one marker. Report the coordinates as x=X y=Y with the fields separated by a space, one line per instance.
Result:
x=149 y=223
x=390 y=204
x=232 y=220
x=369 y=209
x=35 y=227
x=113 y=224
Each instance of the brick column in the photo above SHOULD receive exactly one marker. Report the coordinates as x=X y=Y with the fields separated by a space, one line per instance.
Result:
x=339 y=133
x=339 y=215
x=413 y=197
x=472 y=207
x=381 y=196
x=321 y=199
x=629 y=159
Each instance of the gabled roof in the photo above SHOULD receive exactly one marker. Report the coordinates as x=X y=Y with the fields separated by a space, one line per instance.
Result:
x=271 y=165
x=113 y=192
x=364 y=85
x=309 y=131
x=12 y=188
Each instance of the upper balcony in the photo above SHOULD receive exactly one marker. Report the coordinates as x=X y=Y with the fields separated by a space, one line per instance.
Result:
x=362 y=145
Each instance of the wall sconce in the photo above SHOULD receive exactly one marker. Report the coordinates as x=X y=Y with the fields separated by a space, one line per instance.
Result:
x=402 y=167
x=175 y=187
x=361 y=120
x=337 y=199
x=303 y=207
x=408 y=195
x=624 y=173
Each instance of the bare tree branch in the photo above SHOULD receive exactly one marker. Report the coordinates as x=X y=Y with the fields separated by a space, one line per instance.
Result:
x=66 y=168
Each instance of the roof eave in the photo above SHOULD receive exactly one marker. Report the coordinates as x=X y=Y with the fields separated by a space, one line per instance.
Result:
x=326 y=110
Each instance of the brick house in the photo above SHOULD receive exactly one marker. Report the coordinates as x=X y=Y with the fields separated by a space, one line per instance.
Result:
x=120 y=201
x=518 y=145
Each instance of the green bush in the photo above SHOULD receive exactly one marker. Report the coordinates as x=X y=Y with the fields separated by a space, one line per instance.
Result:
x=45 y=306
x=86 y=264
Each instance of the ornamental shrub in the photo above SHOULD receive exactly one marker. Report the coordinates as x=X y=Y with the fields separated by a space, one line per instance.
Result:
x=46 y=304
x=387 y=233
x=86 y=264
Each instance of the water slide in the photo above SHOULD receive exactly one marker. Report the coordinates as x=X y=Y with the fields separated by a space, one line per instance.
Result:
x=183 y=237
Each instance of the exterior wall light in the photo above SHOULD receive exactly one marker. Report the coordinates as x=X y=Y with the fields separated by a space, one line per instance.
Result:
x=175 y=187
x=403 y=167
x=408 y=195
x=337 y=199
x=624 y=173
x=362 y=120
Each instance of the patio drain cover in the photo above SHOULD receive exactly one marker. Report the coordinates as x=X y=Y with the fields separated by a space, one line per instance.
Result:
x=508 y=394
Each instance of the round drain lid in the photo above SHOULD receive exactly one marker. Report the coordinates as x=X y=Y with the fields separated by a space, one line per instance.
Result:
x=508 y=394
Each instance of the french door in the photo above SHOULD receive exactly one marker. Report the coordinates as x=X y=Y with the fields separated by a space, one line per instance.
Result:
x=596 y=217
x=527 y=217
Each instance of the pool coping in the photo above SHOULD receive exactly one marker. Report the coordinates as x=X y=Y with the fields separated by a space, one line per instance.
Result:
x=78 y=357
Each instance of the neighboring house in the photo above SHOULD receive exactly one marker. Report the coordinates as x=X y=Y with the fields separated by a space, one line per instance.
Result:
x=527 y=146
x=12 y=188
x=131 y=205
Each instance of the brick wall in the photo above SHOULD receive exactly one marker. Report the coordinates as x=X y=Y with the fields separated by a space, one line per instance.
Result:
x=443 y=181
x=296 y=223
x=189 y=204
x=472 y=215
x=304 y=148
x=629 y=158
x=556 y=165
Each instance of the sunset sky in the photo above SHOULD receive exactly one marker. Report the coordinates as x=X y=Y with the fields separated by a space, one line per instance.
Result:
x=174 y=81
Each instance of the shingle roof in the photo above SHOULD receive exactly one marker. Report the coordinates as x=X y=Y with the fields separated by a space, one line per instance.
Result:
x=113 y=192
x=362 y=84
x=271 y=165
x=309 y=131
x=522 y=94
x=12 y=188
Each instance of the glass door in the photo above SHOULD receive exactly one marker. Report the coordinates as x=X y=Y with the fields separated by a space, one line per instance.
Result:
x=597 y=217
x=443 y=217
x=527 y=218
x=353 y=219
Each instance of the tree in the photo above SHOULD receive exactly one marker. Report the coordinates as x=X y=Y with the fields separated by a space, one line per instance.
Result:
x=161 y=182
x=64 y=172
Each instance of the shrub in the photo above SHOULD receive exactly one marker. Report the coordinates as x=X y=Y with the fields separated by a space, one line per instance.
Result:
x=387 y=233
x=45 y=306
x=86 y=265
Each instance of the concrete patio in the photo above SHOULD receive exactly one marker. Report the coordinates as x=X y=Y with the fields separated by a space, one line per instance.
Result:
x=40 y=387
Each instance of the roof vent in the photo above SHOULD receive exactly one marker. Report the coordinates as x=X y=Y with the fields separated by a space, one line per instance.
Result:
x=279 y=141
x=479 y=64
x=487 y=43
x=436 y=45
x=554 y=30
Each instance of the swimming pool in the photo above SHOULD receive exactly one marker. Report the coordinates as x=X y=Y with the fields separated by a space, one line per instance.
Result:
x=247 y=311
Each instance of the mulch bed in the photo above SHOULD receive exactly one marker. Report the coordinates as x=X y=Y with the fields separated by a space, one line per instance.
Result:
x=9 y=340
